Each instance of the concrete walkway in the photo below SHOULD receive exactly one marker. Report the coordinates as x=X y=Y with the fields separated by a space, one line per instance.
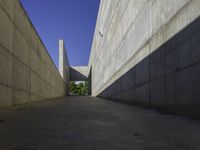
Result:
x=86 y=123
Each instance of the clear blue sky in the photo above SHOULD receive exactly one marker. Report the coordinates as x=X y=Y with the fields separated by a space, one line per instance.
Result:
x=71 y=20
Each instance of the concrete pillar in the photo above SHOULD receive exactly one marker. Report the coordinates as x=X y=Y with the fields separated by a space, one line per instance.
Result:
x=90 y=82
x=61 y=58
x=63 y=64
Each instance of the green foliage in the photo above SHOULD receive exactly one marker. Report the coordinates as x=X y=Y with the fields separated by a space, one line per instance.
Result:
x=79 y=89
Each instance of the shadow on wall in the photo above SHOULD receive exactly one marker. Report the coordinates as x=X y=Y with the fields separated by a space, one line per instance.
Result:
x=168 y=79
x=77 y=76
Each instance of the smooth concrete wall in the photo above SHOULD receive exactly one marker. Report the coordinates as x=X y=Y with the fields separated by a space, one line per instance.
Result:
x=127 y=31
x=27 y=72
x=127 y=41
x=168 y=79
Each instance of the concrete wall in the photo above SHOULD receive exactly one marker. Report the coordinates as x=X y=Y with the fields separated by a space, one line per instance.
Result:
x=129 y=62
x=27 y=72
x=79 y=73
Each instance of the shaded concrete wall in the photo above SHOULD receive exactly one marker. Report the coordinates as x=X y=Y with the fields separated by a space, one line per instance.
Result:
x=129 y=62
x=79 y=73
x=27 y=72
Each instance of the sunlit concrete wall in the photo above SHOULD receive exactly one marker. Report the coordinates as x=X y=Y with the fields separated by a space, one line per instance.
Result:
x=27 y=72
x=128 y=61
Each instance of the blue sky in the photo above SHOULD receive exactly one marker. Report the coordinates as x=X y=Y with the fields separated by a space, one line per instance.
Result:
x=71 y=20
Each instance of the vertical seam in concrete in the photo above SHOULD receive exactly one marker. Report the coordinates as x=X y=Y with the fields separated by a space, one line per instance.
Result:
x=15 y=26
x=102 y=42
x=12 y=20
x=15 y=91
x=12 y=55
x=149 y=75
x=97 y=92
x=104 y=85
x=26 y=15
x=30 y=75
x=165 y=76
x=100 y=47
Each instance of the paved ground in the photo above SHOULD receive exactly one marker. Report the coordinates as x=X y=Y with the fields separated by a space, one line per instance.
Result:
x=86 y=123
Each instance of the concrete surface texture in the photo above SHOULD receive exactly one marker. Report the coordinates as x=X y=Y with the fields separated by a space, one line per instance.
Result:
x=147 y=52
x=128 y=31
x=144 y=52
x=64 y=67
x=88 y=123
x=168 y=79
x=28 y=73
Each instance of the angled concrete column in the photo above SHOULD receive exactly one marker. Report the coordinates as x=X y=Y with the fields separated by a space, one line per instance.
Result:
x=63 y=63
x=90 y=81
